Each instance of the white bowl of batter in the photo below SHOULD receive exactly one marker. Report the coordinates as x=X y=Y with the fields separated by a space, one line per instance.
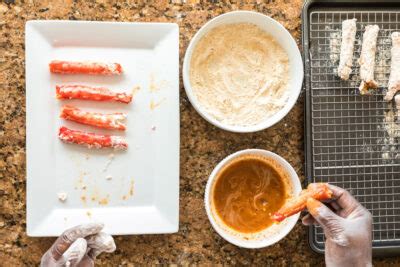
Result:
x=243 y=71
x=271 y=234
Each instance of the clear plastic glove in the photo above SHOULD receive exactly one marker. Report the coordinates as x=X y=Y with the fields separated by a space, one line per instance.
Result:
x=78 y=246
x=347 y=229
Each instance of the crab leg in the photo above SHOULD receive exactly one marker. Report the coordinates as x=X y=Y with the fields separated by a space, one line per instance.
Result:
x=394 y=78
x=347 y=47
x=91 y=140
x=87 y=67
x=91 y=93
x=319 y=191
x=367 y=59
x=112 y=121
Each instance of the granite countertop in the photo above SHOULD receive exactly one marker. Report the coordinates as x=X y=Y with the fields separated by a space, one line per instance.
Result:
x=202 y=145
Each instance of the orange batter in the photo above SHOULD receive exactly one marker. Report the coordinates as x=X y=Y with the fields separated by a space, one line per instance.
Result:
x=246 y=192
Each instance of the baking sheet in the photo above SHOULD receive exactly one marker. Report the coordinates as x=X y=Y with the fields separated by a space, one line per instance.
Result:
x=352 y=141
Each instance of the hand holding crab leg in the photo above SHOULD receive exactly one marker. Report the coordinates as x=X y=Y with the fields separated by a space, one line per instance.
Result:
x=347 y=228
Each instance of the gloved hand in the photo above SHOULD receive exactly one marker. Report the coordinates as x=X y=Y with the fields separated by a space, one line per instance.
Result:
x=78 y=246
x=347 y=229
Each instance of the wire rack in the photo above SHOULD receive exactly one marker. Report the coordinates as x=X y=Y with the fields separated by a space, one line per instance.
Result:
x=355 y=143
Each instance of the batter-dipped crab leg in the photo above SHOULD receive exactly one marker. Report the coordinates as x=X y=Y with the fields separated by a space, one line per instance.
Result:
x=319 y=191
x=91 y=140
x=394 y=78
x=367 y=59
x=347 y=48
x=86 y=67
x=91 y=93
x=397 y=102
x=113 y=121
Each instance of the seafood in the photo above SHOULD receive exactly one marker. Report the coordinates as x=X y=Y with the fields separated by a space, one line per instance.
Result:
x=113 y=121
x=394 y=78
x=91 y=140
x=319 y=191
x=91 y=93
x=367 y=59
x=87 y=67
x=347 y=48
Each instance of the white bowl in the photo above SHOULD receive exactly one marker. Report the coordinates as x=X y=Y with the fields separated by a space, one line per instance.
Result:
x=281 y=35
x=272 y=234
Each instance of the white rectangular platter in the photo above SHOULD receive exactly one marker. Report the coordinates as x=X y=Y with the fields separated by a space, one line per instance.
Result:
x=131 y=192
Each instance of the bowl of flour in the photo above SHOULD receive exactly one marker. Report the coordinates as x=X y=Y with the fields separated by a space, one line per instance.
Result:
x=243 y=71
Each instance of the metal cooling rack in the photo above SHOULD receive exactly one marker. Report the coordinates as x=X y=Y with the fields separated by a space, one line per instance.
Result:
x=348 y=142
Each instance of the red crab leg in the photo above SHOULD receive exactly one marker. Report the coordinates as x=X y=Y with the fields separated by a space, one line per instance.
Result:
x=90 y=93
x=112 y=121
x=87 y=67
x=319 y=191
x=91 y=140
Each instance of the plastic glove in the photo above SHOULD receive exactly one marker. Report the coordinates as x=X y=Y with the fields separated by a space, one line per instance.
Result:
x=347 y=229
x=78 y=246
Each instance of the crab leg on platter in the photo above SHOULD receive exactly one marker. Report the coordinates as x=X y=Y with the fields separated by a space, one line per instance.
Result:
x=367 y=59
x=319 y=191
x=91 y=140
x=347 y=48
x=394 y=78
x=86 y=67
x=90 y=93
x=112 y=121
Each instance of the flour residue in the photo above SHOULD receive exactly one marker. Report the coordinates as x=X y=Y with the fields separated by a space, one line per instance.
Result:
x=135 y=90
x=334 y=46
x=154 y=104
x=130 y=191
x=62 y=196
x=392 y=127
x=239 y=74
x=104 y=201
x=109 y=161
x=156 y=85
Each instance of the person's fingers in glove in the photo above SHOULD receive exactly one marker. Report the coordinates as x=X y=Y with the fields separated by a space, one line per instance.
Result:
x=54 y=256
x=309 y=220
x=69 y=236
x=330 y=222
x=99 y=243
x=347 y=203
x=343 y=204
x=74 y=254
x=347 y=227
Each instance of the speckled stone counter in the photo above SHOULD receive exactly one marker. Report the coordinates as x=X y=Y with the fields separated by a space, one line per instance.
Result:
x=202 y=145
